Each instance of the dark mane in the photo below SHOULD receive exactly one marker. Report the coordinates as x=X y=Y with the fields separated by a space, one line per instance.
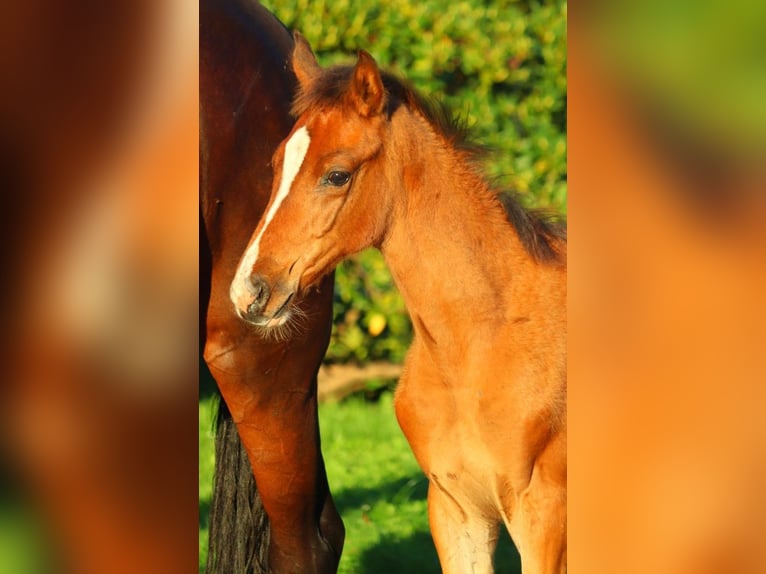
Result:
x=540 y=232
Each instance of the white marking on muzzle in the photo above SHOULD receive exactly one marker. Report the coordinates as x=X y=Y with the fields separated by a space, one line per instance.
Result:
x=295 y=152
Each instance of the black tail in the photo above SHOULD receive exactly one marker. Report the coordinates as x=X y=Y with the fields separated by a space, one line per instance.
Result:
x=239 y=527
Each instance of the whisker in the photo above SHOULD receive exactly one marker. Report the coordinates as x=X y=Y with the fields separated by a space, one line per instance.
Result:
x=295 y=325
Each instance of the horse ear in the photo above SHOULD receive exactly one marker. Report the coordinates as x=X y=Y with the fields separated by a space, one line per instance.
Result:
x=305 y=63
x=367 y=93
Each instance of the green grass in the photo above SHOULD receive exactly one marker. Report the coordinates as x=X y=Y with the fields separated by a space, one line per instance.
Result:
x=206 y=466
x=377 y=486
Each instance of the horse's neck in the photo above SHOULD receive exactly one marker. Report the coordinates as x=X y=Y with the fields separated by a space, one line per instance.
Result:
x=451 y=250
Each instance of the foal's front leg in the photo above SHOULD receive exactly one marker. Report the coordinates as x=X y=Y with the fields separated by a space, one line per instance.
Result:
x=538 y=521
x=464 y=539
x=540 y=527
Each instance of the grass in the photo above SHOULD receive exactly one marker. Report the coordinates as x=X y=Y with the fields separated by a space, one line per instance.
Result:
x=377 y=486
x=206 y=466
x=378 y=489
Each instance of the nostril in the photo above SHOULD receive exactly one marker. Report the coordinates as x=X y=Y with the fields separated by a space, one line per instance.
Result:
x=261 y=291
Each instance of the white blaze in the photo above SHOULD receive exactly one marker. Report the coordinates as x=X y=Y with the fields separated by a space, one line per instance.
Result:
x=295 y=152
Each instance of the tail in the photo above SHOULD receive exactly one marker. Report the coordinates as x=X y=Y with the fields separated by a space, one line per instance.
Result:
x=239 y=527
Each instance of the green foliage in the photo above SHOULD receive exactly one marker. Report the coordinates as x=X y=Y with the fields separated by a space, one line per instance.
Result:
x=370 y=318
x=500 y=64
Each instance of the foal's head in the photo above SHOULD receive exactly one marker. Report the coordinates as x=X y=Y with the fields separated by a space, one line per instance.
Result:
x=328 y=197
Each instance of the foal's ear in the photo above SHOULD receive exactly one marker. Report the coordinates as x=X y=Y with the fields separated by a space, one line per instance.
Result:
x=366 y=93
x=305 y=63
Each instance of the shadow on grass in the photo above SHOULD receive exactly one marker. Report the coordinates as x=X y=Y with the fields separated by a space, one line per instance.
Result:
x=204 y=513
x=415 y=554
x=207 y=384
x=414 y=487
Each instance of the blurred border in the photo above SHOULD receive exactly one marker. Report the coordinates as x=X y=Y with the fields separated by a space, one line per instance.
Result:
x=666 y=169
x=99 y=175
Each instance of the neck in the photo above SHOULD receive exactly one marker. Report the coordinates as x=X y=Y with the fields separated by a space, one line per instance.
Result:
x=450 y=248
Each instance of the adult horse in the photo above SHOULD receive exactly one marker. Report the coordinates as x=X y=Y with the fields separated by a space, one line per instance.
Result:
x=482 y=400
x=268 y=384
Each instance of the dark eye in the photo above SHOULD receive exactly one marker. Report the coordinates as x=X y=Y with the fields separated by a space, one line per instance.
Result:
x=338 y=178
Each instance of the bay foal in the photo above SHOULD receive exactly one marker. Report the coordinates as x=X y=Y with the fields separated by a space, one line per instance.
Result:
x=482 y=400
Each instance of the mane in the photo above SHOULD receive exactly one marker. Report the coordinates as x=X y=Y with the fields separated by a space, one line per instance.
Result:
x=541 y=232
x=328 y=90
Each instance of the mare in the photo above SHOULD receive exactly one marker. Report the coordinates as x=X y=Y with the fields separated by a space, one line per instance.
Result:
x=482 y=399
x=268 y=384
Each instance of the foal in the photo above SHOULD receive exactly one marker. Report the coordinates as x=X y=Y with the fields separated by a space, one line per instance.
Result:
x=482 y=400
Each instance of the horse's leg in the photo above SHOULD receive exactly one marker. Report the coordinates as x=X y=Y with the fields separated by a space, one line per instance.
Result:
x=465 y=540
x=238 y=525
x=270 y=389
x=538 y=521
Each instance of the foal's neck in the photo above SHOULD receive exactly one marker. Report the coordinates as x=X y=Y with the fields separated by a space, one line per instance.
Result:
x=450 y=247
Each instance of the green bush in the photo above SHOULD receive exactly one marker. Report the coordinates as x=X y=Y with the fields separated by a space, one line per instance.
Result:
x=371 y=321
x=501 y=65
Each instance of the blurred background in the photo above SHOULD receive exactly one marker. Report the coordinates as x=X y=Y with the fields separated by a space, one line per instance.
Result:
x=667 y=244
x=502 y=66
x=98 y=228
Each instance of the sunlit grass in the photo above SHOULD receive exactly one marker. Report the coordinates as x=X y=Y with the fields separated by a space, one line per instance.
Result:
x=378 y=489
x=206 y=466
x=377 y=486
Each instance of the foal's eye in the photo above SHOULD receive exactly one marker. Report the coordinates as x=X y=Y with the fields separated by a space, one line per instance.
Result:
x=338 y=178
